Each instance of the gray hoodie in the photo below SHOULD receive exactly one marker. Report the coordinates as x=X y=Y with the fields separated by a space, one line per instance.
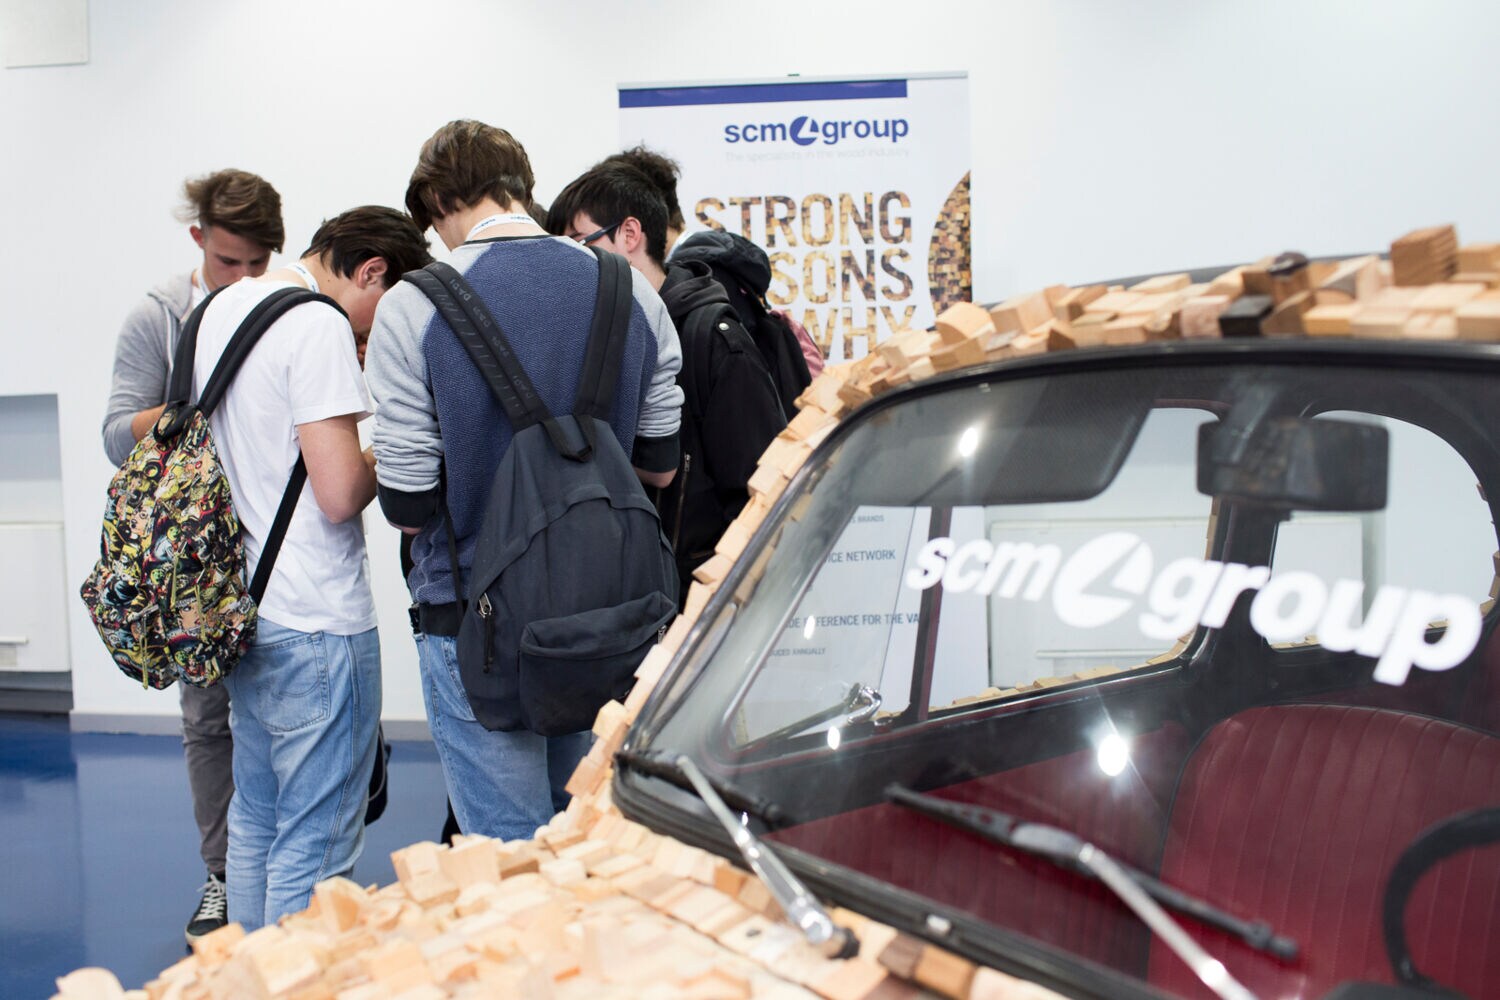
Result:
x=143 y=360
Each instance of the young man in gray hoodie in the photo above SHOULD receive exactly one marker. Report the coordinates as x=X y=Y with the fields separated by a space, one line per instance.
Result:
x=236 y=221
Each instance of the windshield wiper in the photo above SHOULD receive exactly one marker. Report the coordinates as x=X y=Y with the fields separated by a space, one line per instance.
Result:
x=801 y=907
x=859 y=705
x=1136 y=889
x=660 y=764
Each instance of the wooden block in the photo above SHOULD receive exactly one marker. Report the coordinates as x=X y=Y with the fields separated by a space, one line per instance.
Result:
x=967 y=352
x=1162 y=283
x=1286 y=318
x=1072 y=305
x=1431 y=326
x=698 y=905
x=717 y=983
x=1125 y=330
x=737 y=535
x=730 y=880
x=1356 y=278
x=339 y=904
x=809 y=420
x=1244 y=316
x=767 y=480
x=904 y=348
x=944 y=972
x=1200 y=316
x=697 y=600
x=416 y=859
x=430 y=888
x=1231 y=283
x=281 y=965
x=1478 y=320
x=824 y=392
x=1489 y=279
x=920 y=369
x=613 y=866
x=902 y=955
x=609 y=723
x=1424 y=256
x=854 y=979
x=1022 y=313
x=1448 y=296
x=472 y=862
x=518 y=857
x=988 y=984
x=724 y=919
x=1329 y=320
x=588 y=853
x=962 y=321
x=1113 y=302
x=1378 y=322
x=1479 y=257
x=754 y=896
x=90 y=984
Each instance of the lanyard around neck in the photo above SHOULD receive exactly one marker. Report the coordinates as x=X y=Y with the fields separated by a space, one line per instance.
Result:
x=502 y=219
x=312 y=283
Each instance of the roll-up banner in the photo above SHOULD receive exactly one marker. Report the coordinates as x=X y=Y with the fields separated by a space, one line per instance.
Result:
x=857 y=188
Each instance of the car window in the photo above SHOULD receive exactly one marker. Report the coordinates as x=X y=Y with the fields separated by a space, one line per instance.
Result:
x=1434 y=532
x=859 y=625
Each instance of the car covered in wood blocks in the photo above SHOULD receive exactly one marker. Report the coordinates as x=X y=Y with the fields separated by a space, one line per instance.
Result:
x=1160 y=671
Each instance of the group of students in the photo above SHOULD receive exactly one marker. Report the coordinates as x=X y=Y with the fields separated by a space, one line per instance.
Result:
x=280 y=754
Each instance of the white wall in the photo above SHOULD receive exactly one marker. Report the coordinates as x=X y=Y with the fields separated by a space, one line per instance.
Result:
x=1108 y=138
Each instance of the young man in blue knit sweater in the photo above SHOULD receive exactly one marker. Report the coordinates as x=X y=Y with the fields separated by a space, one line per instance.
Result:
x=439 y=434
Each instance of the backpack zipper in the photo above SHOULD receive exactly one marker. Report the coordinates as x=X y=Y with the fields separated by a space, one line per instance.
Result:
x=486 y=610
x=687 y=468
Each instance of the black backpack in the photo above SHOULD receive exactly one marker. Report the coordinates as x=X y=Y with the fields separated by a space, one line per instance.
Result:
x=744 y=270
x=572 y=579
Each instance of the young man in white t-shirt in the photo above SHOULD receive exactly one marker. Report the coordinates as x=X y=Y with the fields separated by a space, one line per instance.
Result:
x=236 y=222
x=306 y=695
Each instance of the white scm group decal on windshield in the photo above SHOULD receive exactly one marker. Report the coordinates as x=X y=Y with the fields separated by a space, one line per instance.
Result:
x=1189 y=592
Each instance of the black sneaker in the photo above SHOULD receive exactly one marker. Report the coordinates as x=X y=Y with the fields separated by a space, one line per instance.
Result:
x=213 y=909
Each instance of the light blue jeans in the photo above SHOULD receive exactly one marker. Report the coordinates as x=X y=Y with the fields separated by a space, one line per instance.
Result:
x=501 y=784
x=304 y=711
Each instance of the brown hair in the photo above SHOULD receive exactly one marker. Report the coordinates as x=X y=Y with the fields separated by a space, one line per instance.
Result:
x=463 y=162
x=237 y=201
x=350 y=238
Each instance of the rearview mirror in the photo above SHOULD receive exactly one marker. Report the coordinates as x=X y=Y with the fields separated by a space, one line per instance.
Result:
x=1296 y=463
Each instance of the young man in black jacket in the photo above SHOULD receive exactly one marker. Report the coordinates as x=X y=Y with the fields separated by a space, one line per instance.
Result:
x=730 y=409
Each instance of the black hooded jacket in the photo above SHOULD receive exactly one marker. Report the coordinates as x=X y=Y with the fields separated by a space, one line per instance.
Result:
x=730 y=413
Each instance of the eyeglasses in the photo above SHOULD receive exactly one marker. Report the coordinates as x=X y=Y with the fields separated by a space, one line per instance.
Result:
x=599 y=234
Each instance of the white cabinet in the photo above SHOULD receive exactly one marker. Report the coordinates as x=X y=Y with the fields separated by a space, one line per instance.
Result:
x=33 y=599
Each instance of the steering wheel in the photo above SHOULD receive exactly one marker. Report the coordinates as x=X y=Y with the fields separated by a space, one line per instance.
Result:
x=1459 y=832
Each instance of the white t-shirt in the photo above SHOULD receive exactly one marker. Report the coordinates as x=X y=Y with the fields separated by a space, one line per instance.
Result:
x=301 y=370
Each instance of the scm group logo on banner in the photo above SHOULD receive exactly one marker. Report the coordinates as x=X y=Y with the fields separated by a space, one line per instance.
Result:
x=857 y=189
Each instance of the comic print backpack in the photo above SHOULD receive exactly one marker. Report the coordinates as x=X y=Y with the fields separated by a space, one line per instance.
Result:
x=168 y=594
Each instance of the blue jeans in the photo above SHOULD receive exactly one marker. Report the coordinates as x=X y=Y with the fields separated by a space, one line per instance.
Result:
x=304 y=710
x=501 y=784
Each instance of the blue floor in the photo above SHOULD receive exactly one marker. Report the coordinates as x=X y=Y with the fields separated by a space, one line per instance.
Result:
x=99 y=854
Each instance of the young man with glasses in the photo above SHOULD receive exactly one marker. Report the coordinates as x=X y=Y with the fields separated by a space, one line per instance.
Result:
x=439 y=435
x=731 y=410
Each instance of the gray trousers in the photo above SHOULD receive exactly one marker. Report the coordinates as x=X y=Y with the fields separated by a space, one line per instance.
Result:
x=207 y=745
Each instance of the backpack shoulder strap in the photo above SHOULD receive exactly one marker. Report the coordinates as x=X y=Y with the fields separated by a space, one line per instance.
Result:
x=476 y=328
x=180 y=388
x=245 y=337
x=697 y=350
x=607 y=335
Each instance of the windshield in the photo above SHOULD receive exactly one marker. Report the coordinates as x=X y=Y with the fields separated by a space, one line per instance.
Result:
x=1226 y=619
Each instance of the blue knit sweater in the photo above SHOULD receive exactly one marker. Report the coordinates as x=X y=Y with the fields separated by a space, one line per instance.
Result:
x=435 y=414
